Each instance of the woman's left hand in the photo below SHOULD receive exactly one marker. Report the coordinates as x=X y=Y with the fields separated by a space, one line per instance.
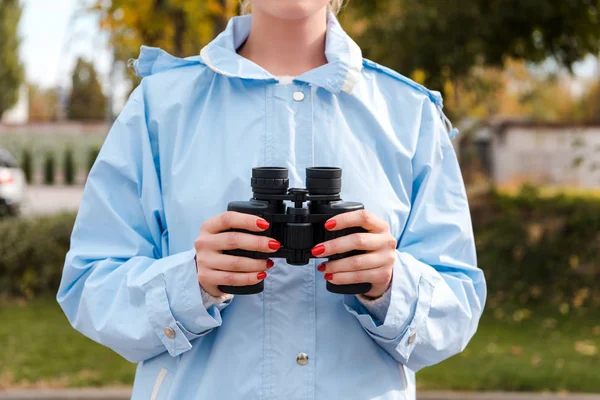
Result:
x=374 y=266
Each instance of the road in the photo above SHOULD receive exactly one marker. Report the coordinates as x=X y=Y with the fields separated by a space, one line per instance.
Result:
x=44 y=200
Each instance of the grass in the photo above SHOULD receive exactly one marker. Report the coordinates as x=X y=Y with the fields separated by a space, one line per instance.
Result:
x=39 y=348
x=546 y=191
x=520 y=350
x=525 y=351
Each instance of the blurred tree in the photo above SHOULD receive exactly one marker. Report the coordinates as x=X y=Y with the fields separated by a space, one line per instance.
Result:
x=49 y=168
x=69 y=169
x=87 y=102
x=27 y=164
x=444 y=40
x=589 y=104
x=520 y=90
x=43 y=104
x=92 y=156
x=11 y=70
x=515 y=91
x=180 y=27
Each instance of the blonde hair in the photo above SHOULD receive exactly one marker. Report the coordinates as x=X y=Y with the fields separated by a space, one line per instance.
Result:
x=334 y=6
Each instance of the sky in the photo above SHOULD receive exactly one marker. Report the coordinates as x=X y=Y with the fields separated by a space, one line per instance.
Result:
x=54 y=34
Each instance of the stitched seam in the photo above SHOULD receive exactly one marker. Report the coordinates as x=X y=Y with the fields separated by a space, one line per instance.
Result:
x=268 y=387
x=313 y=92
x=269 y=337
x=264 y=375
x=266 y=122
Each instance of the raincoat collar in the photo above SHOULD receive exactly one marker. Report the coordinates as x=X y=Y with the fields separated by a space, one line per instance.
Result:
x=341 y=73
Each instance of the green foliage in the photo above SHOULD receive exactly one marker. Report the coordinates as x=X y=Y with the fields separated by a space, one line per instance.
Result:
x=11 y=70
x=49 y=168
x=181 y=27
x=446 y=39
x=27 y=164
x=32 y=253
x=92 y=155
x=537 y=249
x=39 y=145
x=87 y=102
x=69 y=167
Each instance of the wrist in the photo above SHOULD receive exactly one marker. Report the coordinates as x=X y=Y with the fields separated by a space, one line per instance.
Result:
x=209 y=300
x=376 y=292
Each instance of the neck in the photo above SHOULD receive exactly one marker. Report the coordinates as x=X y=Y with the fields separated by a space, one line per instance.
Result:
x=286 y=47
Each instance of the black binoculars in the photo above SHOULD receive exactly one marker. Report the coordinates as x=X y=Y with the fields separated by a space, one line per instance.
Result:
x=296 y=227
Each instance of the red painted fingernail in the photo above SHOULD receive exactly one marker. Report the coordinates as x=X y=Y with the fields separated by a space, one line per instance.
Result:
x=318 y=250
x=261 y=275
x=262 y=224
x=270 y=264
x=274 y=245
x=322 y=267
x=328 y=277
x=330 y=224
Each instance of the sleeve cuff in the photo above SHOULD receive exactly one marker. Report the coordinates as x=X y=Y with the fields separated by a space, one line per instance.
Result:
x=406 y=314
x=175 y=305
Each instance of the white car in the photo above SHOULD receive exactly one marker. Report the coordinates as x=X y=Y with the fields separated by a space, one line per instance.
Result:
x=12 y=185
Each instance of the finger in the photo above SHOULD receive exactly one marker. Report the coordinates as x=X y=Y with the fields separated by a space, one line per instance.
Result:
x=375 y=276
x=240 y=240
x=224 y=262
x=234 y=220
x=370 y=260
x=355 y=241
x=215 y=277
x=362 y=218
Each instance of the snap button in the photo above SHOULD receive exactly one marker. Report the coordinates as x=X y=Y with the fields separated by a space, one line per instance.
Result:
x=302 y=358
x=170 y=333
x=412 y=338
x=298 y=96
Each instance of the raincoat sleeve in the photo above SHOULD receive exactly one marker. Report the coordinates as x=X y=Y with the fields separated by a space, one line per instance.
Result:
x=120 y=285
x=437 y=292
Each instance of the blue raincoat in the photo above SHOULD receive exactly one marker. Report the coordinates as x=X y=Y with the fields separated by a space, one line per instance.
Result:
x=183 y=148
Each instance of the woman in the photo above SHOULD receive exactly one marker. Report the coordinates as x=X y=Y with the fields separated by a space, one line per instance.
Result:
x=284 y=86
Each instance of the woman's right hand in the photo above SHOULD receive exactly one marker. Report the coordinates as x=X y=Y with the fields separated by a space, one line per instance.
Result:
x=216 y=268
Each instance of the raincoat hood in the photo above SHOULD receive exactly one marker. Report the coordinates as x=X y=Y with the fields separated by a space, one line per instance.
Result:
x=341 y=73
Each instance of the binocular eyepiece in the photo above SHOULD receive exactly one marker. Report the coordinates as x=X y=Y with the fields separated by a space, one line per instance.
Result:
x=274 y=180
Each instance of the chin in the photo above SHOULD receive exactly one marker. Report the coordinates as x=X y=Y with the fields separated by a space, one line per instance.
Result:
x=289 y=9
